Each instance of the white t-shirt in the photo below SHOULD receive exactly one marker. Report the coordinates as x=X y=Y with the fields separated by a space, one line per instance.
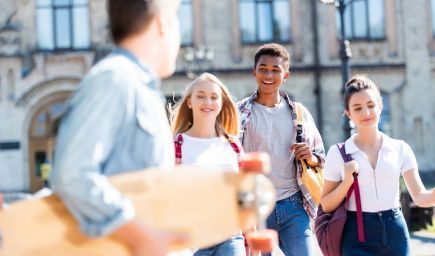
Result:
x=379 y=188
x=209 y=152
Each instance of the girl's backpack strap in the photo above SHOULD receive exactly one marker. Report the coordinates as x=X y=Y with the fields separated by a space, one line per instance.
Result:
x=235 y=145
x=178 y=142
x=354 y=188
x=342 y=149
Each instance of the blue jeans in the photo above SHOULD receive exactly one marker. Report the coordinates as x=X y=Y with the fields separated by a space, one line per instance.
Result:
x=232 y=247
x=292 y=223
x=385 y=234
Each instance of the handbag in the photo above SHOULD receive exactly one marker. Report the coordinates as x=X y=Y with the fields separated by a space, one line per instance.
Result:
x=312 y=177
x=329 y=226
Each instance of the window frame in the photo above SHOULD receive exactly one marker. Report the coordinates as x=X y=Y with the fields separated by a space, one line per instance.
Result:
x=192 y=12
x=257 y=39
x=70 y=9
x=350 y=25
x=432 y=15
x=385 y=117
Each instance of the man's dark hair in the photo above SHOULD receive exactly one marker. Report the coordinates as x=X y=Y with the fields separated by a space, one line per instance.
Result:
x=276 y=50
x=127 y=17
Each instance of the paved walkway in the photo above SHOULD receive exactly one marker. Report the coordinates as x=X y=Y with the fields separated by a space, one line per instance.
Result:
x=423 y=243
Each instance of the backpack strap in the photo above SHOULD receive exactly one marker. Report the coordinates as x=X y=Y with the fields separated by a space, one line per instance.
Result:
x=235 y=146
x=178 y=142
x=299 y=121
x=354 y=188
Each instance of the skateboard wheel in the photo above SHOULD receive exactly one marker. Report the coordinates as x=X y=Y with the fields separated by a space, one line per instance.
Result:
x=262 y=240
x=255 y=162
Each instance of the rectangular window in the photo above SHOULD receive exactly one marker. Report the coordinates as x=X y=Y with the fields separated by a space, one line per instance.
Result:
x=376 y=19
x=364 y=20
x=360 y=23
x=81 y=27
x=385 y=120
x=62 y=2
x=263 y=21
x=281 y=20
x=62 y=28
x=432 y=9
x=62 y=24
x=247 y=21
x=44 y=24
x=185 y=15
x=265 y=24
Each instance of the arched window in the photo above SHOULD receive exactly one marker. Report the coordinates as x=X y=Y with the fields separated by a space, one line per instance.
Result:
x=46 y=122
x=62 y=24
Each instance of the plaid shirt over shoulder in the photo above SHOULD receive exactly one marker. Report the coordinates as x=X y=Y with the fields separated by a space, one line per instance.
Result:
x=310 y=135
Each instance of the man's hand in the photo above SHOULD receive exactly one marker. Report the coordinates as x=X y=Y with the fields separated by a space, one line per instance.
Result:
x=303 y=152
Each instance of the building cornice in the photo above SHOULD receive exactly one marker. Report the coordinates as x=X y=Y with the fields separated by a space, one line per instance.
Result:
x=307 y=68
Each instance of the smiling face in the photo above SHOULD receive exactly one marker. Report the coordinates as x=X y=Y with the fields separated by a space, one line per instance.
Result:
x=365 y=108
x=270 y=72
x=205 y=101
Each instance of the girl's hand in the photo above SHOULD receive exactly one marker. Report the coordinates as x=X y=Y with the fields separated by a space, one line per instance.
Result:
x=350 y=168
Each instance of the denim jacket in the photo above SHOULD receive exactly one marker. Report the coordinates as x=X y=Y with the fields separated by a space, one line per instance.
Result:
x=310 y=135
x=115 y=122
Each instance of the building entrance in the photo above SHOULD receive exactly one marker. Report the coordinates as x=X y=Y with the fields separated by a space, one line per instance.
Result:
x=42 y=140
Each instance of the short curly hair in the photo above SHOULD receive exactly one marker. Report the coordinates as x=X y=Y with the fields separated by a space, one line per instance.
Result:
x=273 y=49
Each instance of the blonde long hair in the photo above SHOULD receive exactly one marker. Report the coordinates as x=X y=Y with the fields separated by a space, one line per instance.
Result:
x=227 y=121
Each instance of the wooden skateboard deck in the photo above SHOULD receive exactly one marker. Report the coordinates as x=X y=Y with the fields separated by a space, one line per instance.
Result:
x=209 y=206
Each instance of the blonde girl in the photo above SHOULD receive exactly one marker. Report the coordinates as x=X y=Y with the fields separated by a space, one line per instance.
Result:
x=206 y=124
x=227 y=117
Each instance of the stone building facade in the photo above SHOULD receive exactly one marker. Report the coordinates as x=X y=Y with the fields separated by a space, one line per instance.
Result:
x=46 y=46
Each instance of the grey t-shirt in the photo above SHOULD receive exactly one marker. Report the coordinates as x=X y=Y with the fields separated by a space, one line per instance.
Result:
x=271 y=130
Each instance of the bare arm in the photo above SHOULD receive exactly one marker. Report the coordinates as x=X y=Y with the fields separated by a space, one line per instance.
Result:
x=333 y=194
x=420 y=195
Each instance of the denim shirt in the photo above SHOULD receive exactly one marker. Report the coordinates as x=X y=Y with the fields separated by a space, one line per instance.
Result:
x=114 y=123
